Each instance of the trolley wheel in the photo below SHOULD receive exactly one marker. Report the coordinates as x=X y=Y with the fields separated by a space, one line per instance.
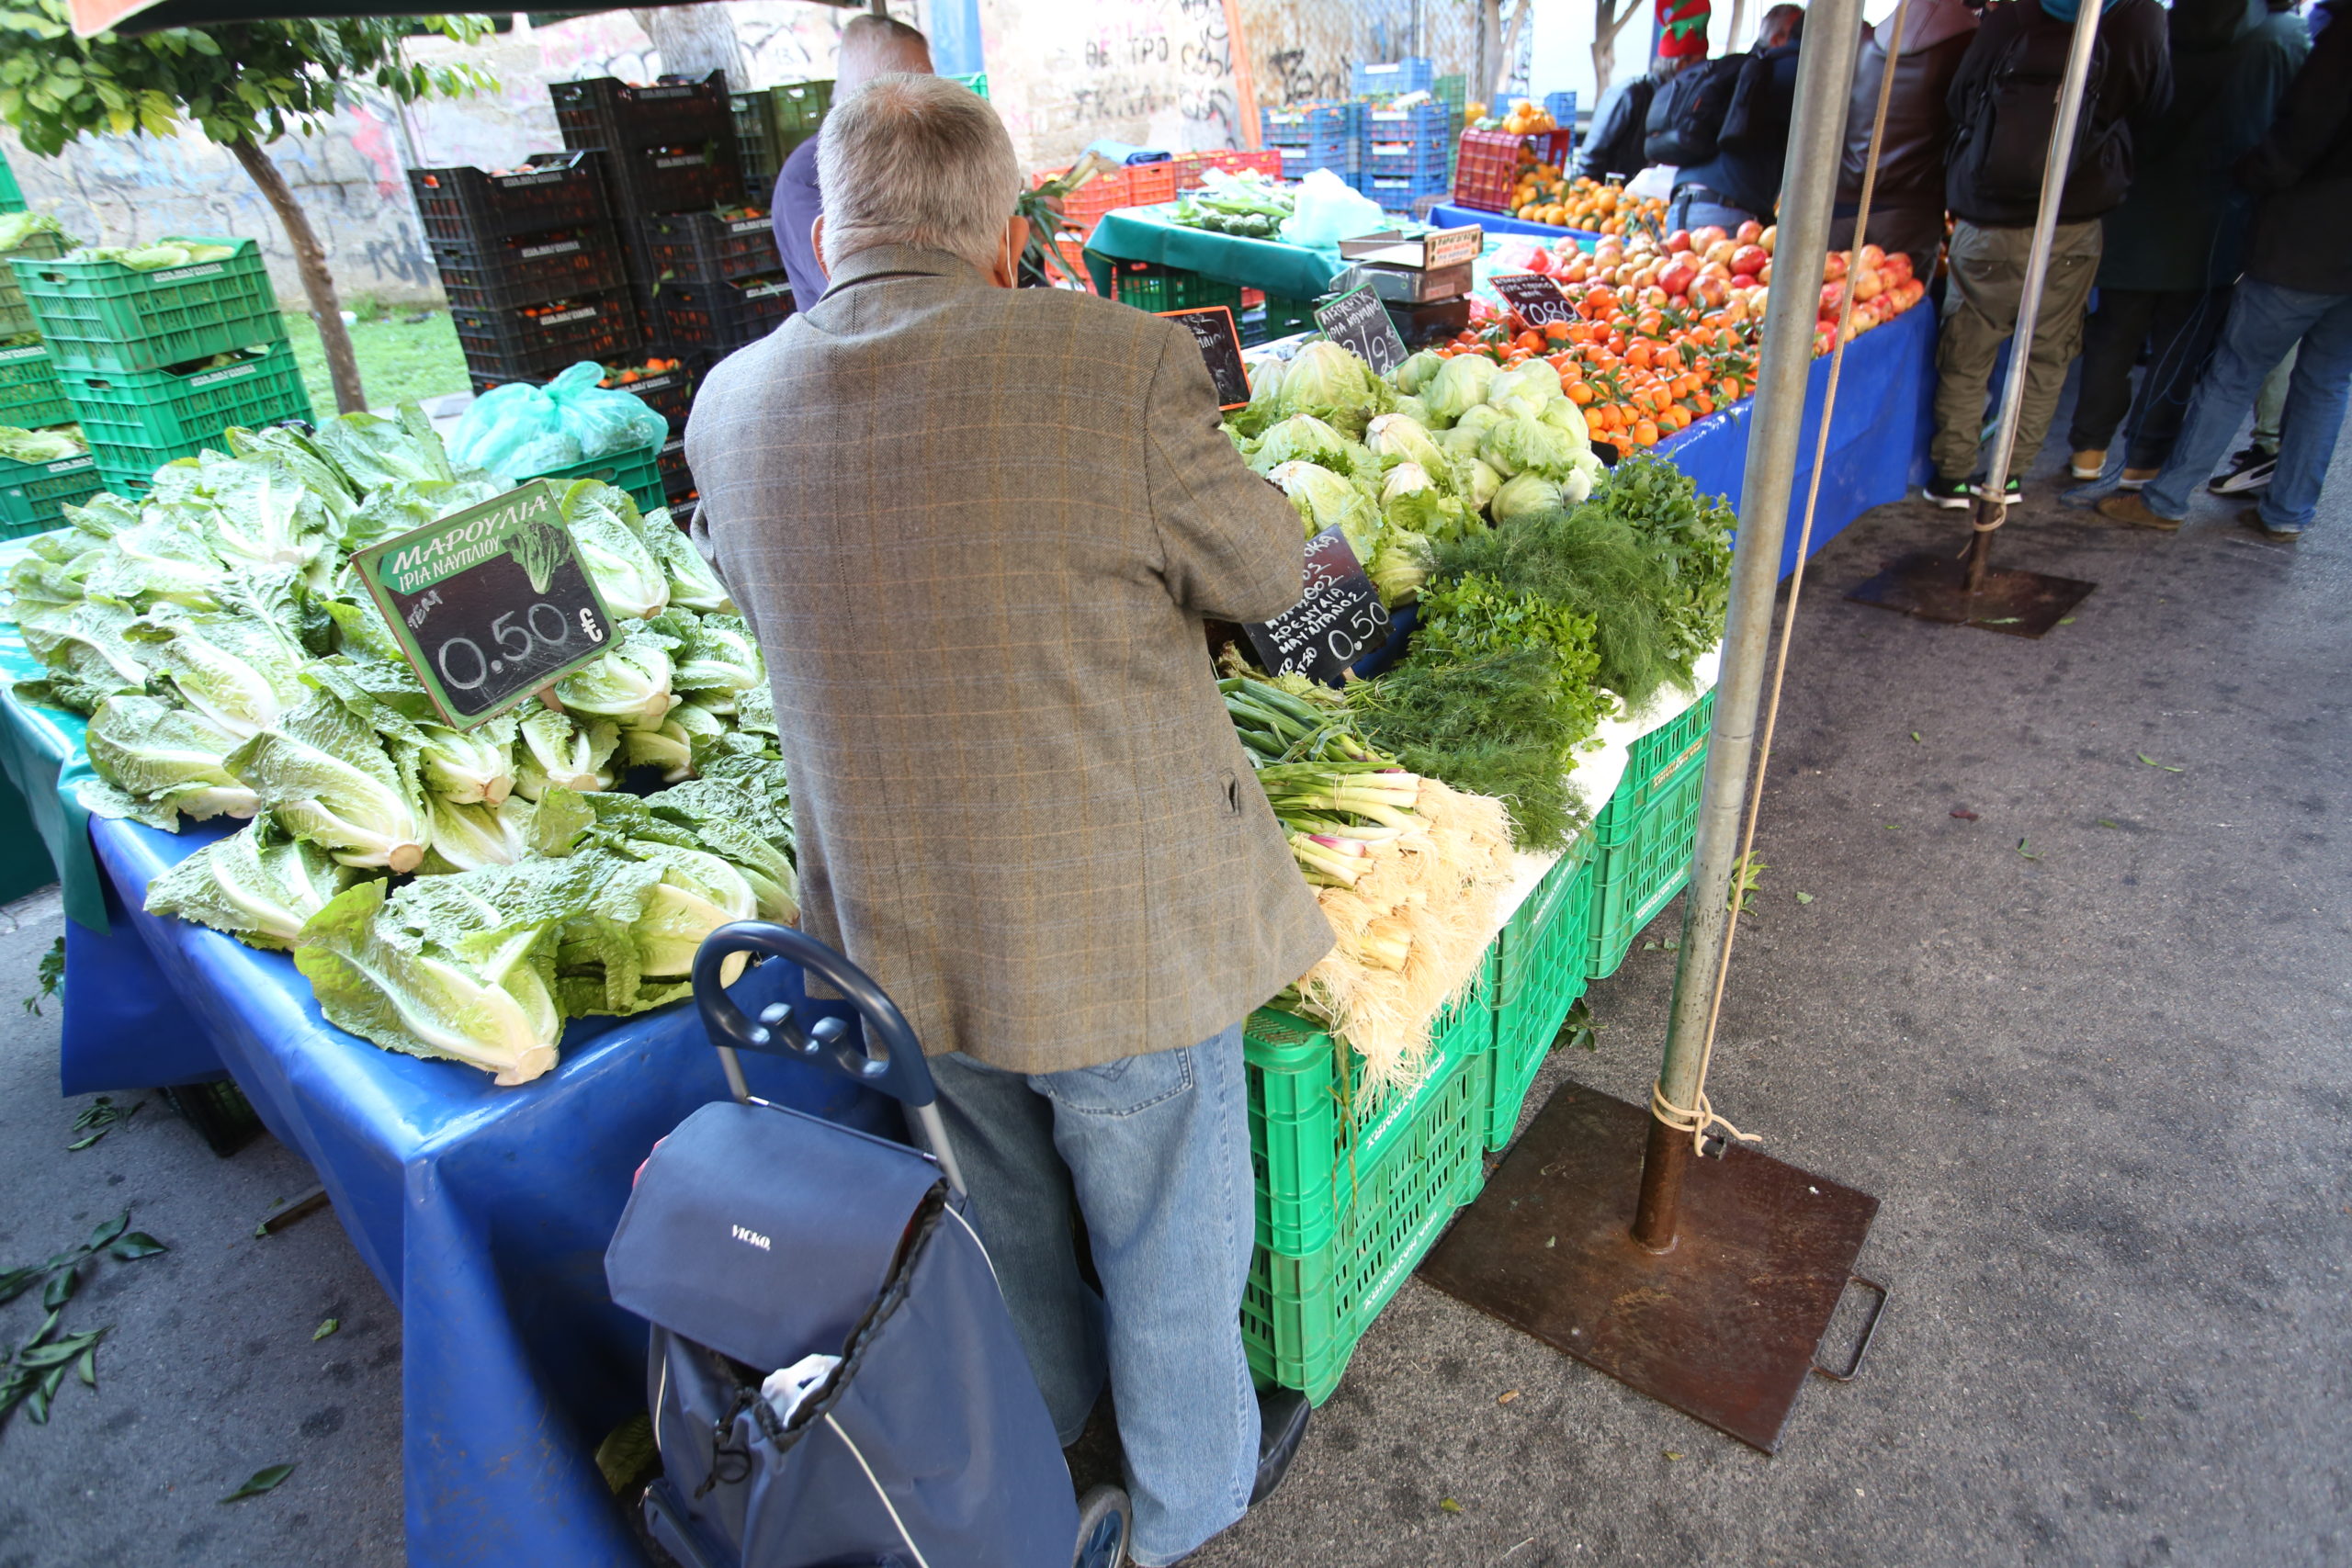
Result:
x=1104 y=1519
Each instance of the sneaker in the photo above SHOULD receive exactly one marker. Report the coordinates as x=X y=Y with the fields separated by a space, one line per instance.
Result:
x=2249 y=471
x=1951 y=494
x=2013 y=491
x=2252 y=517
x=2137 y=479
x=2089 y=466
x=2132 y=510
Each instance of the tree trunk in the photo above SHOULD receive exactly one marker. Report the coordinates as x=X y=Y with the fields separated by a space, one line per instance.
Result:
x=1482 y=73
x=1511 y=51
x=311 y=258
x=695 y=40
x=1738 y=18
x=1607 y=23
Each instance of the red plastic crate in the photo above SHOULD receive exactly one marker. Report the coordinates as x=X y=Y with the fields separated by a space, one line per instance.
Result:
x=1148 y=184
x=1487 y=168
x=1086 y=204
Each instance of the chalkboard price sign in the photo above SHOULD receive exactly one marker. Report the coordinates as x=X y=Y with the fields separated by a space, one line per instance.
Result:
x=1220 y=344
x=1536 y=298
x=1359 y=322
x=490 y=604
x=1335 y=620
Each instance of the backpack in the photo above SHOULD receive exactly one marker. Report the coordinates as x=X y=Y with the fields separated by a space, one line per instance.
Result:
x=1749 y=119
x=2001 y=143
x=1687 y=114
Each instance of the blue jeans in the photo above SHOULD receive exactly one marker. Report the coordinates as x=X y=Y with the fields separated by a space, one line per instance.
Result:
x=1155 y=1150
x=2265 y=322
x=1689 y=211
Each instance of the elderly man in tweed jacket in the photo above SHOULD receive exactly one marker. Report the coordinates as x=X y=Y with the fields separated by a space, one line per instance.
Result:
x=977 y=531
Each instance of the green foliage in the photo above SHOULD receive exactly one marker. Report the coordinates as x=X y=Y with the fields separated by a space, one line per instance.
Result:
x=1690 y=534
x=1598 y=567
x=1497 y=724
x=235 y=82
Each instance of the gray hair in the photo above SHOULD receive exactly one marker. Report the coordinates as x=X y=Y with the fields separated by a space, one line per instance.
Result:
x=876 y=46
x=916 y=161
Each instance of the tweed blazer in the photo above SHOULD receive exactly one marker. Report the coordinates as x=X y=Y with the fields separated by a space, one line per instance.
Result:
x=976 y=531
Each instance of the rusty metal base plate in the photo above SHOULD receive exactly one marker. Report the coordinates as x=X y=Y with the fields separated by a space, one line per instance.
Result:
x=1723 y=1327
x=1935 y=587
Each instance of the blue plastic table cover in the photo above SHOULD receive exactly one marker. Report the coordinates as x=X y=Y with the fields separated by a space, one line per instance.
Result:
x=1446 y=215
x=484 y=1212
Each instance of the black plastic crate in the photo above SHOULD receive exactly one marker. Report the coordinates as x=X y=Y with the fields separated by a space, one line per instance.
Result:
x=530 y=269
x=677 y=480
x=643 y=182
x=705 y=247
x=725 y=316
x=536 y=342
x=605 y=111
x=469 y=207
x=669 y=393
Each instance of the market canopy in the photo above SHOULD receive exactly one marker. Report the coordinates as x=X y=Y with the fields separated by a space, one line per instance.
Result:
x=92 y=18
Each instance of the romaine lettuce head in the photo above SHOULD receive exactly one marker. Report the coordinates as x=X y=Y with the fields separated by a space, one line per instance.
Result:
x=86 y=651
x=1324 y=500
x=238 y=672
x=156 y=762
x=698 y=893
x=669 y=747
x=165 y=558
x=470 y=767
x=325 y=775
x=555 y=751
x=467 y=837
x=1526 y=495
x=629 y=683
x=693 y=584
x=1418 y=371
x=733 y=819
x=1302 y=438
x=1523 y=445
x=373 y=451
x=608 y=535
x=715 y=653
x=475 y=989
x=398 y=505
x=257 y=885
x=1459 y=386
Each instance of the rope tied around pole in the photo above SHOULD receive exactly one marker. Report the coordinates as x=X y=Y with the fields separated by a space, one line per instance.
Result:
x=1701 y=1114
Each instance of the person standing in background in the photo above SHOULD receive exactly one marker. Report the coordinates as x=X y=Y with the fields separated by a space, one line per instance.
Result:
x=2297 y=293
x=1907 y=203
x=1612 y=152
x=2170 y=253
x=2005 y=108
x=1742 y=181
x=871 y=46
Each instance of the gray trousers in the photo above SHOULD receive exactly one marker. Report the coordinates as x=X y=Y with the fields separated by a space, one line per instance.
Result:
x=1981 y=312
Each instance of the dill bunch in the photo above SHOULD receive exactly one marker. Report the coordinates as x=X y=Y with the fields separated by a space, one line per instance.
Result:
x=1500 y=724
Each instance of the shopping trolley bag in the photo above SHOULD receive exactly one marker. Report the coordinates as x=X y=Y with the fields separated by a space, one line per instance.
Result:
x=833 y=1375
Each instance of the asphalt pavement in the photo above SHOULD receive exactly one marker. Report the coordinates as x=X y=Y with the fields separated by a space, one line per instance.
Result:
x=2086 y=1045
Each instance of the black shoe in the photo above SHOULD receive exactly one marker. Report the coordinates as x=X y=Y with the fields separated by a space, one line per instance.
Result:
x=1282 y=1422
x=2249 y=471
x=2252 y=518
x=1953 y=495
x=2015 y=492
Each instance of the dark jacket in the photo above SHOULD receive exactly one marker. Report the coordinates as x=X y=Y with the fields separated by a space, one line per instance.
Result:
x=2302 y=170
x=1614 y=149
x=2133 y=77
x=2183 y=225
x=1749 y=176
x=798 y=203
x=1918 y=122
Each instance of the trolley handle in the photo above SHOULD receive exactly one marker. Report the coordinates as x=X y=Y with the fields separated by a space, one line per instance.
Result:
x=891 y=1060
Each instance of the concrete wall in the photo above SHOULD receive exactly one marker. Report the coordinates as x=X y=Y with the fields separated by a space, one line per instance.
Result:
x=351 y=176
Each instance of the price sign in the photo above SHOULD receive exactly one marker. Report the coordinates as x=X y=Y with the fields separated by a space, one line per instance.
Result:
x=1536 y=298
x=1335 y=620
x=1359 y=322
x=489 y=603
x=1451 y=247
x=1220 y=345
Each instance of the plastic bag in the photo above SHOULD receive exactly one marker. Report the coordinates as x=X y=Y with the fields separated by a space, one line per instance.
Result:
x=519 y=430
x=1330 y=210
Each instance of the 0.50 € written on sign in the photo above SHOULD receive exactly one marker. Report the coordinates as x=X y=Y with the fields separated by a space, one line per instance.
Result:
x=489 y=605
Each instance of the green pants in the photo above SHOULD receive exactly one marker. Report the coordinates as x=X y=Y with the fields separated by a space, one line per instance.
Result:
x=1980 y=311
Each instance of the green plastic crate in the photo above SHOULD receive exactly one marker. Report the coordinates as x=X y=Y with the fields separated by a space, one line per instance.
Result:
x=31 y=394
x=1151 y=288
x=1641 y=842
x=1278 y=318
x=16 y=316
x=1539 y=962
x=102 y=315
x=1310 y=1137
x=977 y=81
x=639 y=473
x=34 y=495
x=11 y=200
x=136 y=421
x=1302 y=1317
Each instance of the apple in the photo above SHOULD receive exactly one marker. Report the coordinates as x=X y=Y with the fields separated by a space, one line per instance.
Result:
x=1749 y=259
x=1678 y=277
x=1765 y=239
x=1896 y=268
x=1872 y=256
x=1679 y=241
x=1764 y=272
x=1833 y=266
x=1868 y=284
x=1748 y=233
x=1710 y=291
x=1832 y=295
x=1703 y=238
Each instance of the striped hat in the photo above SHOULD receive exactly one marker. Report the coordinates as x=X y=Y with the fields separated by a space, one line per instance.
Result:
x=1682 y=29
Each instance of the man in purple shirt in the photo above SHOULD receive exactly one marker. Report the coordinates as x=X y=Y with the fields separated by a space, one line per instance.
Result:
x=871 y=46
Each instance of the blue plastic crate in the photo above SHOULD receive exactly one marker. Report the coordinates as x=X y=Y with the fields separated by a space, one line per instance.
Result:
x=1397 y=193
x=1298 y=162
x=1403 y=159
x=1414 y=73
x=1299 y=124
x=1424 y=122
x=1562 y=107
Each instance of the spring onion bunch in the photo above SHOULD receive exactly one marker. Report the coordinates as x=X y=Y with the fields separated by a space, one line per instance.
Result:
x=1342 y=803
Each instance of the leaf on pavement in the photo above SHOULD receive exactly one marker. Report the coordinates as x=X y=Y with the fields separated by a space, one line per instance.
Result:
x=136 y=1245
x=261 y=1480
x=323 y=1329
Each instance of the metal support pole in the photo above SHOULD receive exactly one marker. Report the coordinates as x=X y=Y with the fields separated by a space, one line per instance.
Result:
x=1993 y=507
x=1817 y=144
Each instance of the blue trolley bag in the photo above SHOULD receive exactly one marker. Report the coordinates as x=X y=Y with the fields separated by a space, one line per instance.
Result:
x=758 y=1238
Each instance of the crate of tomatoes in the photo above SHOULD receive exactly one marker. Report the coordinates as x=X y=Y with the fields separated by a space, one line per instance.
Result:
x=666 y=386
